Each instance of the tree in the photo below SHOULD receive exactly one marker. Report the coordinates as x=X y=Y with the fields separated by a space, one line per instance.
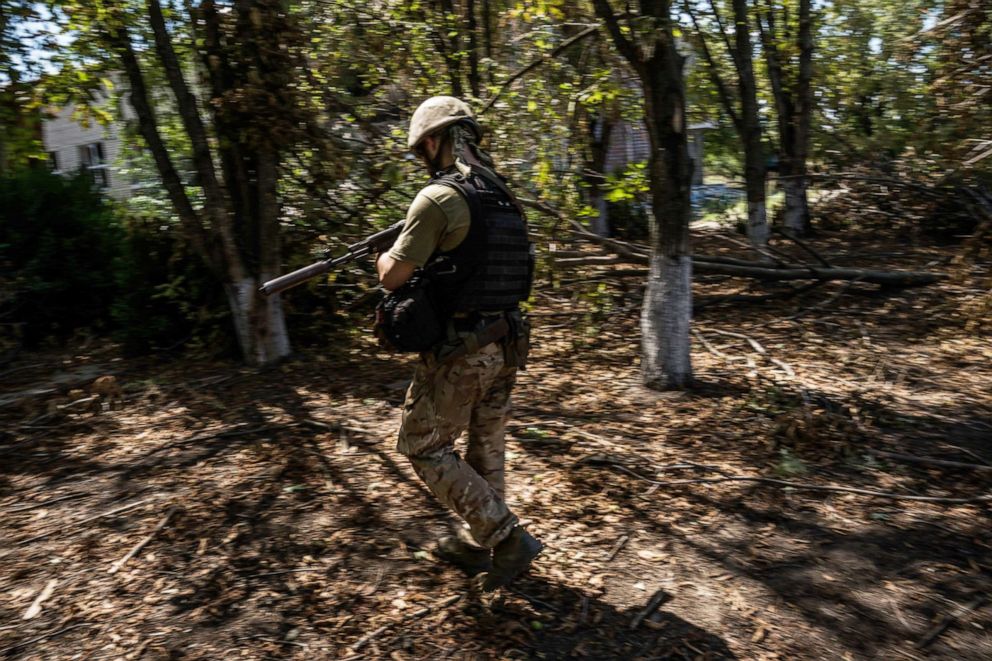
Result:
x=647 y=42
x=790 y=72
x=744 y=117
x=251 y=64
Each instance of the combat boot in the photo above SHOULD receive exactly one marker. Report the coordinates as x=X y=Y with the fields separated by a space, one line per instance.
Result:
x=468 y=557
x=512 y=557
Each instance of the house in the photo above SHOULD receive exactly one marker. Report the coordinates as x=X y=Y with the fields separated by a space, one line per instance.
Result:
x=73 y=144
x=621 y=143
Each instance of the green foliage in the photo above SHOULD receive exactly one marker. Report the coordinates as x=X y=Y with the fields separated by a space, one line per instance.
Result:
x=58 y=243
x=166 y=296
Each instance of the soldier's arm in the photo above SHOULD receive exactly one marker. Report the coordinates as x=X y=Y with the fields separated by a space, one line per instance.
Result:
x=393 y=273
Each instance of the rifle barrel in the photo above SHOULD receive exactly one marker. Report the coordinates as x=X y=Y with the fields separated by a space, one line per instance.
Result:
x=284 y=282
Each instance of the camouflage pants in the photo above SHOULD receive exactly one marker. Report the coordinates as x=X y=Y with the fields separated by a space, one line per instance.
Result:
x=471 y=392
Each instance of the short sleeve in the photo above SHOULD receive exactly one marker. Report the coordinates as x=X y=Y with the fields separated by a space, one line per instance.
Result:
x=438 y=217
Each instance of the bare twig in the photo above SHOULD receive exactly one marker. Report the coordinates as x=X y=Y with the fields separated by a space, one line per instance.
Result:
x=51 y=501
x=78 y=524
x=949 y=619
x=750 y=340
x=136 y=549
x=47 y=636
x=791 y=485
x=533 y=65
x=931 y=462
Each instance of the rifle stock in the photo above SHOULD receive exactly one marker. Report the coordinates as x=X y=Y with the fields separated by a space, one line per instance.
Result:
x=376 y=243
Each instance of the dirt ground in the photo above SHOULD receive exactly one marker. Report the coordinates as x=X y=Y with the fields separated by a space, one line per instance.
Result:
x=280 y=522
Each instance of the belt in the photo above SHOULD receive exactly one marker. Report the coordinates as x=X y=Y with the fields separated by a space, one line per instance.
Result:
x=475 y=340
x=468 y=322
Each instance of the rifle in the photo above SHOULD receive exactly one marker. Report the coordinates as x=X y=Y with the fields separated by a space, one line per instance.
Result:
x=376 y=243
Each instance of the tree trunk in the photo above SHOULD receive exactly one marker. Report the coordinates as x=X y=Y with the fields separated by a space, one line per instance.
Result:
x=794 y=106
x=667 y=310
x=665 y=319
x=750 y=129
x=795 y=217
x=746 y=121
x=236 y=230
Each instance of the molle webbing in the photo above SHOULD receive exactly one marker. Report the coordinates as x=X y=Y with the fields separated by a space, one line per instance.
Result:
x=500 y=277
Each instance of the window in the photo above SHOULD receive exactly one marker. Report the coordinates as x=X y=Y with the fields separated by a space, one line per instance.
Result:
x=91 y=159
x=91 y=155
x=53 y=161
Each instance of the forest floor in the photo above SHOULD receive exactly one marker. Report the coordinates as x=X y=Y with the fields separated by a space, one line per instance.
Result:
x=280 y=522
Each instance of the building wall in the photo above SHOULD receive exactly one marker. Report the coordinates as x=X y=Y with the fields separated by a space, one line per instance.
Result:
x=64 y=137
x=629 y=143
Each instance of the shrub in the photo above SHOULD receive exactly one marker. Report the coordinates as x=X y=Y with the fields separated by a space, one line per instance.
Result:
x=59 y=241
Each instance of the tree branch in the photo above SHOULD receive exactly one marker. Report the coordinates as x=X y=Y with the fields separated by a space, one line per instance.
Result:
x=148 y=126
x=721 y=88
x=624 y=45
x=563 y=46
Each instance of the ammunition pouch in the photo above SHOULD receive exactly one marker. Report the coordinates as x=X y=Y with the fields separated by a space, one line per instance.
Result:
x=408 y=319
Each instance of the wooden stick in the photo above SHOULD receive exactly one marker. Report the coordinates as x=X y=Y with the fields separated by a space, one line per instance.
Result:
x=35 y=608
x=618 y=547
x=750 y=340
x=136 y=549
x=656 y=600
x=51 y=501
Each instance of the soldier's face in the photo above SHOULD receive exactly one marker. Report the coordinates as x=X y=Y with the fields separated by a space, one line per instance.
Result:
x=427 y=151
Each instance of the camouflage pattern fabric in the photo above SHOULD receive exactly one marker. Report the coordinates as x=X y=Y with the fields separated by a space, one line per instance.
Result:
x=471 y=392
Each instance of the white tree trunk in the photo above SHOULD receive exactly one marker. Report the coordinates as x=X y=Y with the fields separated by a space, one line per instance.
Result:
x=665 y=319
x=757 y=224
x=796 y=216
x=259 y=323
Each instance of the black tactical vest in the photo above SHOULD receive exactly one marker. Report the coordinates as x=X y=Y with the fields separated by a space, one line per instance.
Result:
x=492 y=268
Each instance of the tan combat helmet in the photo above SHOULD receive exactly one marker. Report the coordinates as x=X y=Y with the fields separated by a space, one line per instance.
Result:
x=436 y=113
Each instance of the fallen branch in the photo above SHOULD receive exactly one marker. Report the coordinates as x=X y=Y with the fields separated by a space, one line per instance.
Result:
x=742 y=268
x=884 y=278
x=136 y=549
x=786 y=484
x=913 y=459
x=802 y=244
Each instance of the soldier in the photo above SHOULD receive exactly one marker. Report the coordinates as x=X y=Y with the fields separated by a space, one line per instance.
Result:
x=467 y=231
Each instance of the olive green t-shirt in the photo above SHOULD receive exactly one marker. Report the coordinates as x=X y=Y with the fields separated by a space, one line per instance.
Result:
x=439 y=217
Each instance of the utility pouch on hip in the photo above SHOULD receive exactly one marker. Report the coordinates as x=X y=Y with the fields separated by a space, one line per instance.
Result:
x=408 y=319
x=516 y=345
